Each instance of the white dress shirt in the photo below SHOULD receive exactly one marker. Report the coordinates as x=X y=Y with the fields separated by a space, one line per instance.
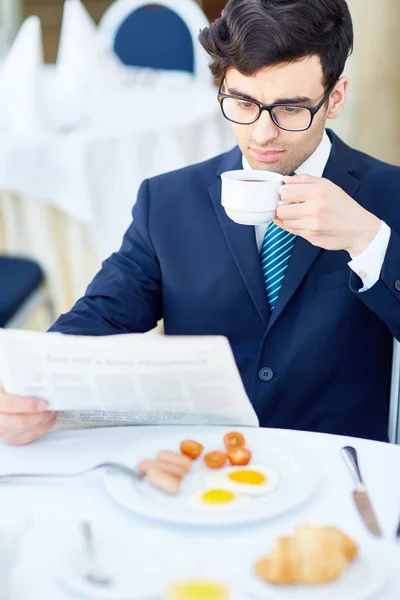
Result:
x=368 y=264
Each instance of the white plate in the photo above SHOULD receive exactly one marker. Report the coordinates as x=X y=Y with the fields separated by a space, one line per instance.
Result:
x=363 y=579
x=133 y=578
x=298 y=480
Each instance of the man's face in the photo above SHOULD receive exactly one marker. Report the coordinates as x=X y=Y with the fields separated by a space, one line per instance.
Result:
x=264 y=144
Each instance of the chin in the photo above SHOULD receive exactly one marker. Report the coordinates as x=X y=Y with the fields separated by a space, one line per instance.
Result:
x=277 y=167
x=271 y=167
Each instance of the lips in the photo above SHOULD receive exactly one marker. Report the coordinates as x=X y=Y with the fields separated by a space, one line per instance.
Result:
x=269 y=156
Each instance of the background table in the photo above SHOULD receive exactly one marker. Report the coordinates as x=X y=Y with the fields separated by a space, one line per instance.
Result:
x=67 y=191
x=57 y=507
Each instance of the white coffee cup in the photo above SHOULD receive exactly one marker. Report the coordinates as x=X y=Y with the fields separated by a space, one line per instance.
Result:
x=251 y=197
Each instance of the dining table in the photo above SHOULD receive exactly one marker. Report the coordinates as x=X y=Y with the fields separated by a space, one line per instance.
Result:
x=53 y=509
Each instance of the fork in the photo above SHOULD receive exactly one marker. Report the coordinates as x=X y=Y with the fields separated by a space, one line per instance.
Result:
x=94 y=574
x=105 y=465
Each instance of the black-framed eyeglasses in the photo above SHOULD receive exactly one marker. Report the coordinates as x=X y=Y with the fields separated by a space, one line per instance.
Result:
x=290 y=117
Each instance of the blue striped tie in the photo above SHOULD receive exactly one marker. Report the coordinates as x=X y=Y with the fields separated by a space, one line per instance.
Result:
x=276 y=251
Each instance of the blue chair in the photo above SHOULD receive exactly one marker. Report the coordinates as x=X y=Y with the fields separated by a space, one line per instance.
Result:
x=22 y=291
x=160 y=35
x=134 y=46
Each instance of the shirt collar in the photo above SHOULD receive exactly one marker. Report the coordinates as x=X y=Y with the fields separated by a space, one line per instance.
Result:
x=315 y=164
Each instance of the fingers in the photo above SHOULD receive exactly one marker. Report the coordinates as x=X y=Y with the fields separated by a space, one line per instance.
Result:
x=18 y=404
x=291 y=211
x=294 y=179
x=297 y=193
x=294 y=217
x=26 y=437
x=297 y=227
x=278 y=222
x=300 y=188
x=23 y=420
x=19 y=422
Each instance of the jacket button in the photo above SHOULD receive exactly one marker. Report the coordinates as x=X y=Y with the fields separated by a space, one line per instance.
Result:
x=266 y=374
x=397 y=285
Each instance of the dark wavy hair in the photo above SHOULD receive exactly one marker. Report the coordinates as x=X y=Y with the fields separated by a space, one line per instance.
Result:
x=252 y=34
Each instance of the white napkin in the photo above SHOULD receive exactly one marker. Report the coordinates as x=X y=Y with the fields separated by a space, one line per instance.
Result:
x=86 y=68
x=22 y=107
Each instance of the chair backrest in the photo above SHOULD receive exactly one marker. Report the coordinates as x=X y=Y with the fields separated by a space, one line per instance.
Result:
x=394 y=409
x=161 y=34
x=20 y=284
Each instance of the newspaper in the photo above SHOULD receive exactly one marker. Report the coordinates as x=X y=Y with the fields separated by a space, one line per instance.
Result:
x=129 y=379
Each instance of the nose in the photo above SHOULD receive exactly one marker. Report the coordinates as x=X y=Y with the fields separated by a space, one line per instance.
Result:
x=265 y=129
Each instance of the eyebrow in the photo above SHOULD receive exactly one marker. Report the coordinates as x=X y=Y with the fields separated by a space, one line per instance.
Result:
x=293 y=100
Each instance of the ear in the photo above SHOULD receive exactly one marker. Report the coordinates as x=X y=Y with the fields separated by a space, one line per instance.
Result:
x=338 y=98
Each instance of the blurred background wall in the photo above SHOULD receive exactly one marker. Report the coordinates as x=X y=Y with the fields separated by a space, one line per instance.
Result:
x=374 y=101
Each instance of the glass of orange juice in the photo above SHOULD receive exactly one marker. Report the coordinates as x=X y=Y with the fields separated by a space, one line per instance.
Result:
x=197 y=590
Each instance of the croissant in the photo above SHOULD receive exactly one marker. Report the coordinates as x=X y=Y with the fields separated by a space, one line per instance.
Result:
x=344 y=541
x=314 y=555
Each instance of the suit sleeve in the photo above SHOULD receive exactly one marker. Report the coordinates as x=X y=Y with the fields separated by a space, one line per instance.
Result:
x=125 y=296
x=383 y=298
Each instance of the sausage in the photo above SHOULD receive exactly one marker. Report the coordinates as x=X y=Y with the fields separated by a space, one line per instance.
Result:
x=166 y=456
x=164 y=481
x=176 y=470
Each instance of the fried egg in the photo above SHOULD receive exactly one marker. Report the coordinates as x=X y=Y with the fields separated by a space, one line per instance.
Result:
x=251 y=480
x=217 y=499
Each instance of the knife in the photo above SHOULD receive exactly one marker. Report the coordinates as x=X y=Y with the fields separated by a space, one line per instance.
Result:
x=360 y=494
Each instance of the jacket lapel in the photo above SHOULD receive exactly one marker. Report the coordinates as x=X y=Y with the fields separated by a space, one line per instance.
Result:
x=241 y=240
x=304 y=254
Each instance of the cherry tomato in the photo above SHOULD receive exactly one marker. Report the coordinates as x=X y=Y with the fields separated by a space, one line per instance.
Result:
x=191 y=449
x=239 y=456
x=215 y=459
x=233 y=440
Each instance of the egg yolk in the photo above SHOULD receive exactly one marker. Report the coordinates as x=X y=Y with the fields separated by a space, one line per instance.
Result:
x=197 y=590
x=218 y=497
x=247 y=476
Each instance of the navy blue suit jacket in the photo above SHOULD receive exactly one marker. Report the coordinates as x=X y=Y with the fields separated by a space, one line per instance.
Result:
x=321 y=361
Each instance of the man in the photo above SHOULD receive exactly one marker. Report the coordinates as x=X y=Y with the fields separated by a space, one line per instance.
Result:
x=309 y=304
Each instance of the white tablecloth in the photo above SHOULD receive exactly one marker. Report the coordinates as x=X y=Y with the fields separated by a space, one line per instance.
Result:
x=57 y=507
x=67 y=193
